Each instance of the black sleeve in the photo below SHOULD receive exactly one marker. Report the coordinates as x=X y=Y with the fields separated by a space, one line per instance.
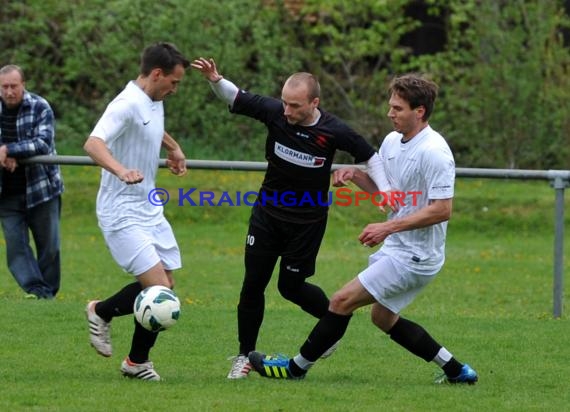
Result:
x=259 y=107
x=352 y=142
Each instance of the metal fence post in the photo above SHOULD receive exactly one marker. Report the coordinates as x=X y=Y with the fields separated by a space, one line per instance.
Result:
x=559 y=185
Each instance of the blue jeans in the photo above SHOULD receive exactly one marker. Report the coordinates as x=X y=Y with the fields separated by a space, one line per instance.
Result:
x=40 y=276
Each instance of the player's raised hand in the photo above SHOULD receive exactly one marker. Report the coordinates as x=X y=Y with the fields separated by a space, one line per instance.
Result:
x=208 y=69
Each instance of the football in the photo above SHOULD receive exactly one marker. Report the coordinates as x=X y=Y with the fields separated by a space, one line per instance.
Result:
x=157 y=308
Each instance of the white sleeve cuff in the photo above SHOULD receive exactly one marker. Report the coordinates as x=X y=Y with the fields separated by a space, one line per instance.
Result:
x=376 y=171
x=225 y=90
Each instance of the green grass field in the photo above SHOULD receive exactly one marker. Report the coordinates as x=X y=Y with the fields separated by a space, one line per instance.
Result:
x=491 y=306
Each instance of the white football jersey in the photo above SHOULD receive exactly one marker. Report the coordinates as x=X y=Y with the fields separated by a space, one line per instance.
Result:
x=421 y=169
x=132 y=127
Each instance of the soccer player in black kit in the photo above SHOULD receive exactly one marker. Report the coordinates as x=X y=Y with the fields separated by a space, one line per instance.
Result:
x=290 y=215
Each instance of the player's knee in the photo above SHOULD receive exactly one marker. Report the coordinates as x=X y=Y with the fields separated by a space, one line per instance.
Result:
x=287 y=289
x=340 y=303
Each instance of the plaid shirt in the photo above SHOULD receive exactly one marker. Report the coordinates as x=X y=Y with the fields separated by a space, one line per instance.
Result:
x=35 y=125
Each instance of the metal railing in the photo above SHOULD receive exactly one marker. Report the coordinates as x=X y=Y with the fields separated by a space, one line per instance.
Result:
x=559 y=180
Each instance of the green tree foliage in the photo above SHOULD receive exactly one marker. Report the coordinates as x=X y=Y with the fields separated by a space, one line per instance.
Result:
x=503 y=69
x=354 y=47
x=79 y=54
x=505 y=83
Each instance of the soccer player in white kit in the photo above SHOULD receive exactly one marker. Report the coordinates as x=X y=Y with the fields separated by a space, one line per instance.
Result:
x=126 y=143
x=416 y=160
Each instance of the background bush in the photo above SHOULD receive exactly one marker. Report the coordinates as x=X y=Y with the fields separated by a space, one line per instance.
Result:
x=502 y=66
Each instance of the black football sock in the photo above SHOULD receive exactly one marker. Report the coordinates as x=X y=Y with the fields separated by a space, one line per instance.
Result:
x=328 y=330
x=295 y=369
x=313 y=300
x=249 y=323
x=142 y=343
x=452 y=368
x=415 y=339
x=251 y=306
x=120 y=304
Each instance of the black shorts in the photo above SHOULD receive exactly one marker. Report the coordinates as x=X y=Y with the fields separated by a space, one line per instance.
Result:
x=296 y=243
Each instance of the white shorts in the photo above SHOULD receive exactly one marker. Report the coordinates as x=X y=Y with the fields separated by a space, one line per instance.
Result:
x=138 y=248
x=391 y=283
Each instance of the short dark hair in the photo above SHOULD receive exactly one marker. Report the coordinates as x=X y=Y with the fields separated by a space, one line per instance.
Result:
x=164 y=56
x=416 y=90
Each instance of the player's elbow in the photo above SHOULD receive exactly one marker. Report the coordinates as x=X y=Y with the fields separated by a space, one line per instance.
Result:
x=90 y=145
x=87 y=145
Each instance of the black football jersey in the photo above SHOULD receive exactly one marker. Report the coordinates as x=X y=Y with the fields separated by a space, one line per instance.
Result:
x=297 y=180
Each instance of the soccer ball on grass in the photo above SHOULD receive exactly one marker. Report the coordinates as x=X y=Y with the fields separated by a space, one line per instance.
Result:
x=157 y=308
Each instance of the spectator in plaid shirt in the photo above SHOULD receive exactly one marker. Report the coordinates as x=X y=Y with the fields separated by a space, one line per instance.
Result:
x=30 y=194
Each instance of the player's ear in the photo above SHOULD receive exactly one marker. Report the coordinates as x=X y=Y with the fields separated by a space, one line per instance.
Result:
x=421 y=111
x=156 y=73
